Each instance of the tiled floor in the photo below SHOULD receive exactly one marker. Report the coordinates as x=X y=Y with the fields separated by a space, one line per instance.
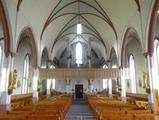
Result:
x=80 y=111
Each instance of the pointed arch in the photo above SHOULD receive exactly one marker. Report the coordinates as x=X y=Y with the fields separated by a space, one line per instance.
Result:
x=152 y=27
x=27 y=32
x=45 y=51
x=111 y=53
x=130 y=32
x=44 y=57
x=5 y=30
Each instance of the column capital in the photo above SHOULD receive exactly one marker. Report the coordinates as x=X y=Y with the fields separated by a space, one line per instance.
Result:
x=69 y=57
x=12 y=54
x=89 y=57
x=109 y=60
x=145 y=54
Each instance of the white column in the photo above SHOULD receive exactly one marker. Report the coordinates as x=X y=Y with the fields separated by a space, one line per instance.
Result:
x=151 y=95
x=90 y=86
x=35 y=85
x=110 y=87
x=90 y=82
x=5 y=101
x=89 y=53
x=5 y=97
x=123 y=85
x=68 y=86
x=48 y=87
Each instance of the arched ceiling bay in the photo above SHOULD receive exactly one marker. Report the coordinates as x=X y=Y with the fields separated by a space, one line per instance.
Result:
x=56 y=20
x=82 y=12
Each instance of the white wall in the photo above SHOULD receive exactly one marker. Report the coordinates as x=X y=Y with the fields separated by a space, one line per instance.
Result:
x=134 y=48
x=60 y=85
x=23 y=50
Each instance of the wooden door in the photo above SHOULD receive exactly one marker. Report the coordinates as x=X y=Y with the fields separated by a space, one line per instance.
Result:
x=79 y=91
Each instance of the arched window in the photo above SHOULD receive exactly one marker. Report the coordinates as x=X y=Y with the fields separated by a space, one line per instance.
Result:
x=132 y=73
x=25 y=74
x=79 y=53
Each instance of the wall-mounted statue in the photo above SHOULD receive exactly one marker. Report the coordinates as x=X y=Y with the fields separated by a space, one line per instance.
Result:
x=147 y=82
x=12 y=81
x=140 y=82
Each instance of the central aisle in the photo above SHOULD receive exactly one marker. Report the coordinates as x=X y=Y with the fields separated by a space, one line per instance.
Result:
x=80 y=111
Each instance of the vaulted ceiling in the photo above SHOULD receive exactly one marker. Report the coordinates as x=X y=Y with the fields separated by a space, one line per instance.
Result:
x=103 y=21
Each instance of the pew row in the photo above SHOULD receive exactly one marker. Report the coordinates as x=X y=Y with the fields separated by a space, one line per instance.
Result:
x=105 y=108
x=54 y=108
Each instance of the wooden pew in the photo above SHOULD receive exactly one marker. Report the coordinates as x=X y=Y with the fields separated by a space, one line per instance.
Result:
x=18 y=101
x=112 y=109
x=54 y=108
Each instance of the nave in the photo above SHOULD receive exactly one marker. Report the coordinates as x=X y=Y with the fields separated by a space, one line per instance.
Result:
x=94 y=107
x=53 y=52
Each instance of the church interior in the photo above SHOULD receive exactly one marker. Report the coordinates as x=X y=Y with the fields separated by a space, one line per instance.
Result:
x=79 y=59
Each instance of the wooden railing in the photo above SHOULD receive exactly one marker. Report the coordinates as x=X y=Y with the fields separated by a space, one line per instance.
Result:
x=71 y=74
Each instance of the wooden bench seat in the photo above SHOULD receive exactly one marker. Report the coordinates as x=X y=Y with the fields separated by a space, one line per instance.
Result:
x=43 y=117
x=49 y=109
x=108 y=109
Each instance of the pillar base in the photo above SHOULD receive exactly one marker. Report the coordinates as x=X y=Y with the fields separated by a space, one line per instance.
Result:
x=5 y=98
x=48 y=92
x=67 y=89
x=5 y=102
x=151 y=105
x=35 y=96
x=124 y=99
x=110 y=95
x=4 y=109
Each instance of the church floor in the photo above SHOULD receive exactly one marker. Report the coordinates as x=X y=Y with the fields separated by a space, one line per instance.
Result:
x=80 y=111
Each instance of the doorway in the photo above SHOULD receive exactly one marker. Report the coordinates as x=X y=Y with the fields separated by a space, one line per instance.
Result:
x=79 y=91
x=44 y=87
